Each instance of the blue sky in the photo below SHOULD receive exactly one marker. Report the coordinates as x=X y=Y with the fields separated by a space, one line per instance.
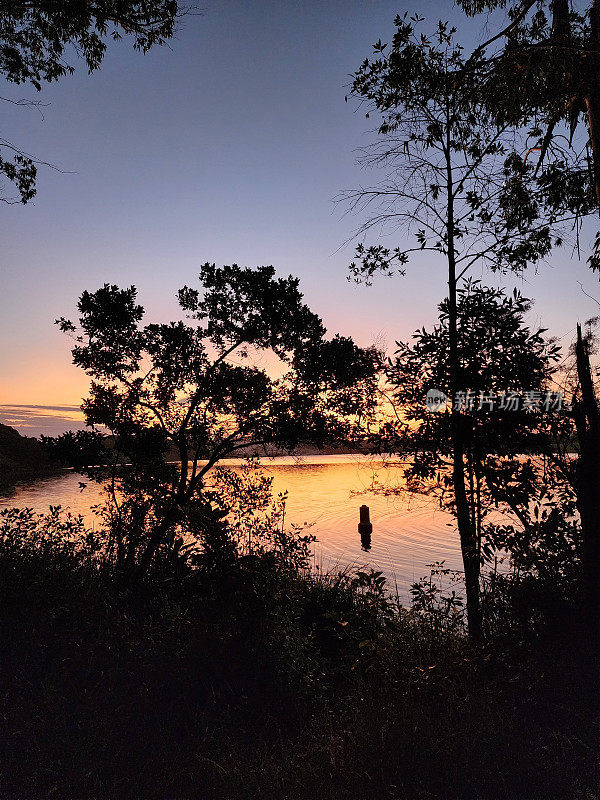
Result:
x=228 y=145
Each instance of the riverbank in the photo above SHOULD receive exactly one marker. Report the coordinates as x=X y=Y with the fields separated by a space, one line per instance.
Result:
x=262 y=680
x=23 y=458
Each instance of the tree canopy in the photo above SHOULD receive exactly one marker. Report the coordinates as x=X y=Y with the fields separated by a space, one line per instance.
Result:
x=39 y=42
x=37 y=38
x=460 y=178
x=540 y=71
x=519 y=486
x=191 y=389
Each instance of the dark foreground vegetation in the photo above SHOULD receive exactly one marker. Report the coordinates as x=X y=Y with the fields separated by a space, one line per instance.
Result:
x=246 y=676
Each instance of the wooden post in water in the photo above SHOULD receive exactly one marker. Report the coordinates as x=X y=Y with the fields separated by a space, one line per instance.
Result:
x=365 y=528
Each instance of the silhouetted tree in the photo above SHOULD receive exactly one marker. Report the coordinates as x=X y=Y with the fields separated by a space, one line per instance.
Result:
x=78 y=449
x=461 y=186
x=190 y=389
x=506 y=370
x=37 y=38
x=542 y=71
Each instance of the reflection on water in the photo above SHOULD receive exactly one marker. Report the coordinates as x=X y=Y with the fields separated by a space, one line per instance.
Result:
x=365 y=540
x=326 y=492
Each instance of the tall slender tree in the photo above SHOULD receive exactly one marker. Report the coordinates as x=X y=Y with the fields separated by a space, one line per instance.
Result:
x=461 y=187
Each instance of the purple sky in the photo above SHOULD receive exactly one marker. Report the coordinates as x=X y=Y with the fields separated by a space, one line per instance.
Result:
x=227 y=146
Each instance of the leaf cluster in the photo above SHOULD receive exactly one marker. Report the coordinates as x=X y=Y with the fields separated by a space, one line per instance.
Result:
x=176 y=398
x=460 y=179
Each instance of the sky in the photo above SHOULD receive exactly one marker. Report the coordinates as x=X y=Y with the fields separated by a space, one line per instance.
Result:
x=228 y=145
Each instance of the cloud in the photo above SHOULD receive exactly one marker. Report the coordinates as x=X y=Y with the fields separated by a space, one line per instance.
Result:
x=37 y=420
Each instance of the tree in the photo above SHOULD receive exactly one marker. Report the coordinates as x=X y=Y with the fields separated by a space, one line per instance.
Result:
x=190 y=390
x=542 y=70
x=78 y=449
x=37 y=38
x=587 y=474
x=549 y=56
x=506 y=369
x=461 y=186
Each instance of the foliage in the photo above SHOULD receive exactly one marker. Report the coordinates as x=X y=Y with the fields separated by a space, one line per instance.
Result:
x=233 y=517
x=255 y=520
x=236 y=517
x=36 y=39
x=179 y=397
x=519 y=488
x=437 y=607
x=78 y=449
x=539 y=71
x=57 y=536
x=20 y=170
x=546 y=541
x=498 y=353
x=459 y=180
x=274 y=683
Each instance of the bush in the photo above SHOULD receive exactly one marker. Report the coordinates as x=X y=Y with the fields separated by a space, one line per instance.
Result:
x=261 y=679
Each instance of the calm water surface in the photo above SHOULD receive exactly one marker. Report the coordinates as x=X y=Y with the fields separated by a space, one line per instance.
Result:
x=326 y=492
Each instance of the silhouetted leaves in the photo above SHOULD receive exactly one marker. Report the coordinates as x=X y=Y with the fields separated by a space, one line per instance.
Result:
x=461 y=179
x=37 y=40
x=189 y=391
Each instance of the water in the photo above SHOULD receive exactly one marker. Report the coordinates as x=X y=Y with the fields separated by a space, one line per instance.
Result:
x=325 y=492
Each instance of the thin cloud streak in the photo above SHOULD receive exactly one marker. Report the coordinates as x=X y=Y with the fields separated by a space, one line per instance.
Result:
x=37 y=420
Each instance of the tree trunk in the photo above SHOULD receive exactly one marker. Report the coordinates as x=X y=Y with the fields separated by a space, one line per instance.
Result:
x=592 y=104
x=466 y=527
x=169 y=520
x=587 y=418
x=592 y=98
x=158 y=536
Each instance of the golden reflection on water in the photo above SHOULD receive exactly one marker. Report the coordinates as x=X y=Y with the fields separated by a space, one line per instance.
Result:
x=326 y=492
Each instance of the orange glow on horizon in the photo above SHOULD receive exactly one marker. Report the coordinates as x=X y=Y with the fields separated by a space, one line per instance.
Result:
x=40 y=382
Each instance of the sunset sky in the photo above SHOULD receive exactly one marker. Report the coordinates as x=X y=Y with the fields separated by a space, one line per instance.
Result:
x=229 y=145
